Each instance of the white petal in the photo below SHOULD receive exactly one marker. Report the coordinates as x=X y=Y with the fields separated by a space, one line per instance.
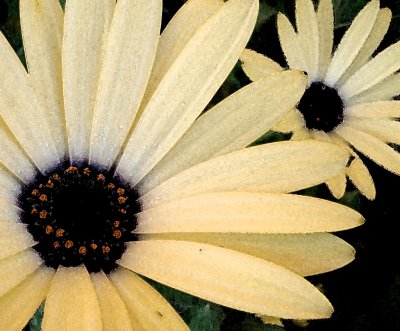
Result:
x=258 y=66
x=9 y=186
x=14 y=238
x=9 y=212
x=337 y=185
x=325 y=31
x=128 y=58
x=374 y=110
x=292 y=121
x=188 y=86
x=361 y=178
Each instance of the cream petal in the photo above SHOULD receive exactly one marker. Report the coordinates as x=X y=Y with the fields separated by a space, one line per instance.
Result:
x=308 y=34
x=9 y=186
x=292 y=121
x=337 y=185
x=384 y=129
x=42 y=31
x=182 y=27
x=304 y=254
x=86 y=28
x=372 y=147
x=361 y=178
x=226 y=277
x=9 y=211
x=248 y=213
x=147 y=309
x=14 y=269
x=291 y=46
x=257 y=66
x=267 y=168
x=22 y=111
x=71 y=303
x=14 y=238
x=242 y=118
x=352 y=42
x=18 y=305
x=374 y=110
x=193 y=79
x=325 y=31
x=374 y=72
x=126 y=67
x=114 y=315
x=371 y=44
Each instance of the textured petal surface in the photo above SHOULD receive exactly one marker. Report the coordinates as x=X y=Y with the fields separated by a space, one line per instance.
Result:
x=9 y=212
x=304 y=254
x=9 y=186
x=292 y=121
x=227 y=277
x=18 y=305
x=85 y=31
x=42 y=31
x=242 y=118
x=248 y=213
x=358 y=173
x=71 y=303
x=193 y=79
x=383 y=129
x=268 y=168
x=14 y=238
x=337 y=185
x=114 y=315
x=126 y=67
x=325 y=31
x=374 y=110
x=258 y=66
x=147 y=308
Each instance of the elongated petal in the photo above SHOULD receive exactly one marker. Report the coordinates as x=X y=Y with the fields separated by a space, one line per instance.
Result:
x=304 y=254
x=383 y=129
x=182 y=27
x=18 y=305
x=71 y=303
x=337 y=185
x=147 y=309
x=325 y=31
x=22 y=111
x=375 y=71
x=292 y=121
x=9 y=186
x=42 y=31
x=359 y=175
x=9 y=212
x=268 y=168
x=14 y=269
x=85 y=31
x=114 y=315
x=14 y=238
x=227 y=277
x=258 y=66
x=126 y=67
x=248 y=213
x=241 y=118
x=352 y=42
x=374 y=110
x=193 y=79
x=372 y=147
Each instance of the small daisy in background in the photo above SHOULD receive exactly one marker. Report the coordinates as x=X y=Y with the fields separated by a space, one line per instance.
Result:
x=106 y=175
x=350 y=95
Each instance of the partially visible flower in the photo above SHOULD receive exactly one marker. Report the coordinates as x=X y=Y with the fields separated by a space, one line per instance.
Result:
x=349 y=99
x=106 y=174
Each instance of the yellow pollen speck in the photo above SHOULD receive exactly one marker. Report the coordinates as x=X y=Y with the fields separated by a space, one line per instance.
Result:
x=43 y=214
x=93 y=246
x=35 y=192
x=106 y=249
x=101 y=177
x=111 y=186
x=116 y=223
x=117 y=234
x=122 y=200
x=34 y=211
x=43 y=197
x=56 y=244
x=82 y=250
x=56 y=177
x=48 y=229
x=49 y=184
x=60 y=232
x=120 y=191
x=69 y=244
x=122 y=211
x=71 y=169
x=86 y=171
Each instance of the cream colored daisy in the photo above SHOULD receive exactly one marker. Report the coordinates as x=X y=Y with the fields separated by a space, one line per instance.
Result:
x=349 y=99
x=106 y=175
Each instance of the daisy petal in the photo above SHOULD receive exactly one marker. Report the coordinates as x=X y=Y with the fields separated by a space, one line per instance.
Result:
x=361 y=178
x=14 y=269
x=71 y=303
x=375 y=71
x=267 y=168
x=248 y=213
x=292 y=121
x=83 y=43
x=9 y=186
x=185 y=23
x=9 y=211
x=374 y=110
x=242 y=117
x=304 y=254
x=193 y=79
x=22 y=111
x=217 y=274
x=257 y=66
x=383 y=129
x=308 y=34
x=372 y=147
x=148 y=310
x=114 y=315
x=14 y=238
x=18 y=305
x=337 y=185
x=352 y=42
x=126 y=67
x=325 y=31
x=42 y=31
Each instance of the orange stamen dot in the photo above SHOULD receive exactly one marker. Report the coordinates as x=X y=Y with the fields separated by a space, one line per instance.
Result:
x=49 y=184
x=122 y=211
x=116 y=223
x=56 y=244
x=106 y=249
x=43 y=214
x=86 y=171
x=120 y=191
x=34 y=211
x=69 y=244
x=121 y=200
x=101 y=177
x=49 y=229
x=111 y=186
x=117 y=234
x=71 y=169
x=82 y=250
x=35 y=192
x=43 y=197
x=56 y=176
x=93 y=246
x=60 y=232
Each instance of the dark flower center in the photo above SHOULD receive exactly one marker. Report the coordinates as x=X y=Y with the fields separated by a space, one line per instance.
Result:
x=80 y=215
x=322 y=107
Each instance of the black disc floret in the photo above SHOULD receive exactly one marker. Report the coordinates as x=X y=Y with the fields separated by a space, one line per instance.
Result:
x=80 y=215
x=322 y=107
